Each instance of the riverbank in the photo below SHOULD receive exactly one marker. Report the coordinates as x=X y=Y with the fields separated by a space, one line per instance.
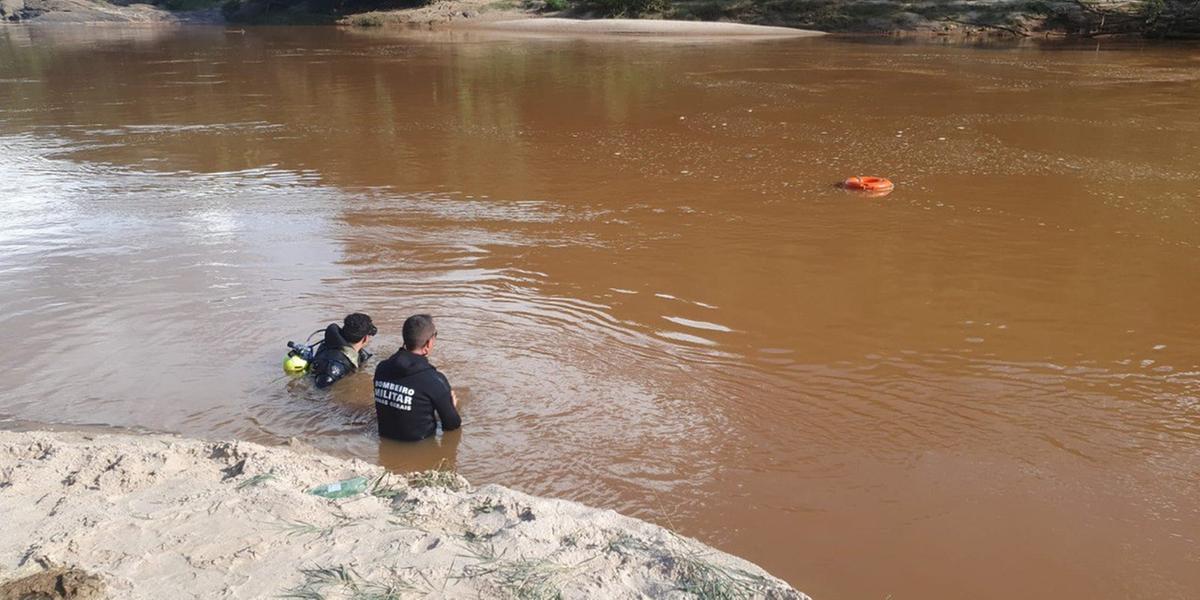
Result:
x=99 y=11
x=641 y=27
x=1005 y=18
x=1075 y=18
x=157 y=516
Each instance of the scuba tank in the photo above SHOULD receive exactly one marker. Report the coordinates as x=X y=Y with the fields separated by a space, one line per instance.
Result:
x=299 y=355
x=297 y=358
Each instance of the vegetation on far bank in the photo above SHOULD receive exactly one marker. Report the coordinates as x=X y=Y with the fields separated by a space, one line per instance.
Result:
x=1083 y=18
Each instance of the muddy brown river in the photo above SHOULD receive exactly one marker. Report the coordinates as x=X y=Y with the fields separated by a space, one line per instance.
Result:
x=651 y=297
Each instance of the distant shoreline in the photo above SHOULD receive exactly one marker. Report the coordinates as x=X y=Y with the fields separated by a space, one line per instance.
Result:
x=643 y=27
x=1066 y=18
x=159 y=516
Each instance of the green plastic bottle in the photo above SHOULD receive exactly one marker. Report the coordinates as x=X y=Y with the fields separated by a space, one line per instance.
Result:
x=341 y=489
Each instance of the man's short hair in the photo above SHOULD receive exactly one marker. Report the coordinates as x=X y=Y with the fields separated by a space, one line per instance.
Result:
x=418 y=329
x=356 y=327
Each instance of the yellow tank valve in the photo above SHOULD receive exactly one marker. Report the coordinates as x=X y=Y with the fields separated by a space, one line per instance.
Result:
x=294 y=364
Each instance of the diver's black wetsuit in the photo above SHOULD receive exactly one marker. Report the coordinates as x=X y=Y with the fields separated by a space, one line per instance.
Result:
x=411 y=396
x=336 y=358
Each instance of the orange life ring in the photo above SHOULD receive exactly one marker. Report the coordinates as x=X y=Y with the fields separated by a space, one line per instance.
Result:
x=874 y=185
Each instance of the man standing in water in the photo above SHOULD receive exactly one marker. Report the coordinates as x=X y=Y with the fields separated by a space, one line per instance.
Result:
x=411 y=396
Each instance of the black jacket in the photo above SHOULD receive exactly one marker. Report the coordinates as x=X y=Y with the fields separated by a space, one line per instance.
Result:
x=335 y=358
x=411 y=396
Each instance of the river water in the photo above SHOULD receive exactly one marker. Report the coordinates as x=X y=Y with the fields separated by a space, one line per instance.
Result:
x=650 y=296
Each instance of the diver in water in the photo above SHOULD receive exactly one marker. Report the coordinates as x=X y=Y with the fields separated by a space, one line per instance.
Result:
x=341 y=352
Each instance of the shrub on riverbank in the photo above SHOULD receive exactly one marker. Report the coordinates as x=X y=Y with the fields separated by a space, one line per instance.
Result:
x=1084 y=18
x=307 y=12
x=188 y=5
x=1174 y=18
x=1081 y=18
x=623 y=8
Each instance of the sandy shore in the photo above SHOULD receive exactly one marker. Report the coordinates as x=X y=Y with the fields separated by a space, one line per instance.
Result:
x=155 y=516
x=493 y=17
x=656 y=27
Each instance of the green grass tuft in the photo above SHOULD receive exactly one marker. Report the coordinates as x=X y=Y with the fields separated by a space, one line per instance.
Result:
x=344 y=582
x=524 y=578
x=256 y=480
x=703 y=579
x=383 y=489
x=296 y=528
x=625 y=544
x=440 y=476
x=487 y=506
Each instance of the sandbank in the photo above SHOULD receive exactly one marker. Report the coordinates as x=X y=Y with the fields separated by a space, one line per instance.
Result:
x=158 y=516
x=642 y=27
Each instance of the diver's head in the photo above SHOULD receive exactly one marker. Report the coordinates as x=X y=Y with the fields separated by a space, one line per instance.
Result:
x=419 y=334
x=357 y=329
